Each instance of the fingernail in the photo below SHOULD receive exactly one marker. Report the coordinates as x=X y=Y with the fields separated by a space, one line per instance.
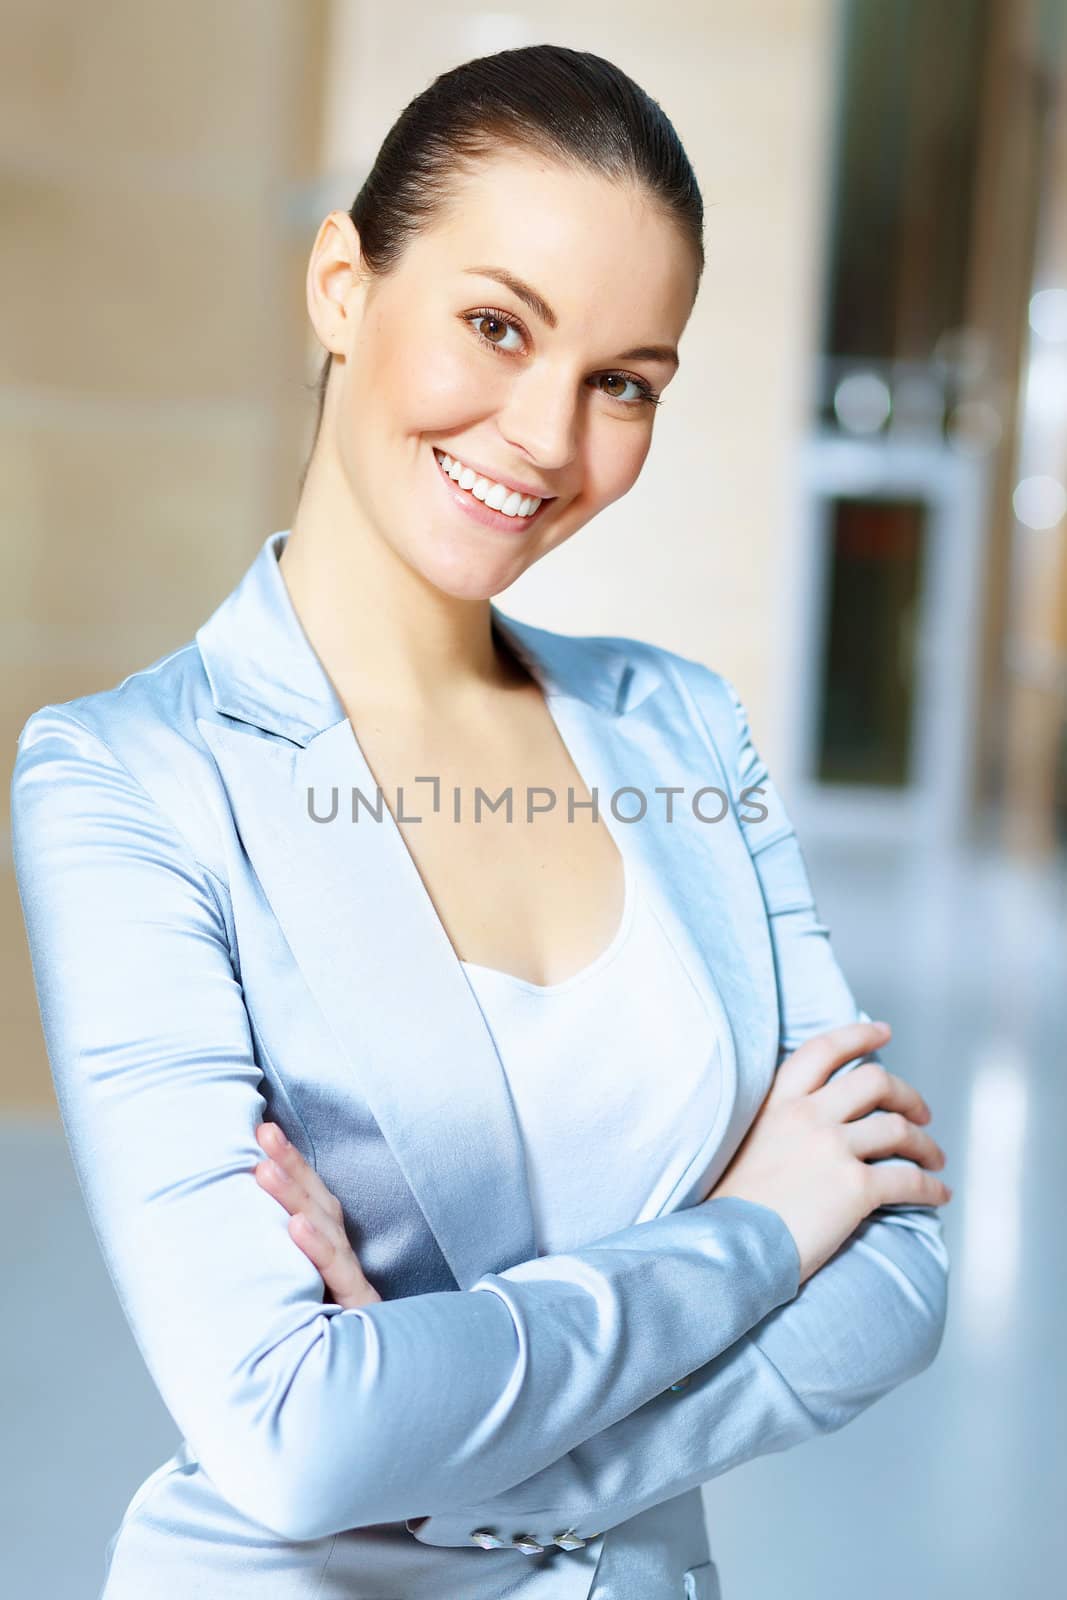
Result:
x=883 y=1026
x=278 y=1172
x=280 y=1136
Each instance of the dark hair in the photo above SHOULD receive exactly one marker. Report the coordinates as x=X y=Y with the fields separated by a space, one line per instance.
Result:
x=569 y=106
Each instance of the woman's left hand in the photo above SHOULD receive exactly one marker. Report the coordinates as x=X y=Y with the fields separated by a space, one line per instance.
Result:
x=317 y=1224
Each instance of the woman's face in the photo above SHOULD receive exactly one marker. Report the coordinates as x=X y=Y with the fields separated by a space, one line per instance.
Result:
x=443 y=356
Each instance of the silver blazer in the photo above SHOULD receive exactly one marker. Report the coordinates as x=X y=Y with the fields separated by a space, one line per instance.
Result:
x=210 y=950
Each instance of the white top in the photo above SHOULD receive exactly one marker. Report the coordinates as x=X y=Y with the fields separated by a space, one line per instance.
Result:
x=615 y=1075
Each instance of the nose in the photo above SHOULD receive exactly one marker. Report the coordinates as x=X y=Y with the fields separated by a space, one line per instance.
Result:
x=542 y=419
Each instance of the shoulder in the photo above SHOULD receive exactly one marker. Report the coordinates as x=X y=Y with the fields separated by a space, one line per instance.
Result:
x=708 y=698
x=141 y=734
x=148 y=715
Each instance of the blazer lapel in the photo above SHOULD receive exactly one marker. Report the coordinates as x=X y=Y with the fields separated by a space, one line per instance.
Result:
x=700 y=880
x=367 y=938
x=375 y=956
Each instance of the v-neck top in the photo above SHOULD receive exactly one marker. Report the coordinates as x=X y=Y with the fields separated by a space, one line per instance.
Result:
x=615 y=1077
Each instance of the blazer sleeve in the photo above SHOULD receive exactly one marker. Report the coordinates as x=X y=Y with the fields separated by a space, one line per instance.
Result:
x=870 y=1318
x=311 y=1419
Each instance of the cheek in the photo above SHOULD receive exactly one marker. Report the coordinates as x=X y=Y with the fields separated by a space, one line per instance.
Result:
x=611 y=466
x=433 y=387
x=615 y=462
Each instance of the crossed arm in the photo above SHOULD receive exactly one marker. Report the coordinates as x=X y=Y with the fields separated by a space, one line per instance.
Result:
x=309 y=1419
x=870 y=1318
x=540 y=1395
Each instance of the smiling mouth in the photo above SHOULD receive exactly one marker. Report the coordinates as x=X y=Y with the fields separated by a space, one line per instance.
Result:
x=492 y=504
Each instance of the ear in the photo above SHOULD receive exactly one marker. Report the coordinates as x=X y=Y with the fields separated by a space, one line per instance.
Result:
x=336 y=282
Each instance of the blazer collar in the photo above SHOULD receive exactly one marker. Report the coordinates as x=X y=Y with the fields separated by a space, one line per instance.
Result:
x=263 y=670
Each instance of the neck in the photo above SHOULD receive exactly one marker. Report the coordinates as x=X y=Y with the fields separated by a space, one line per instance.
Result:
x=386 y=637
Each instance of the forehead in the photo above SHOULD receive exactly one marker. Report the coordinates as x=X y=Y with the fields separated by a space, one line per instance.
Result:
x=584 y=241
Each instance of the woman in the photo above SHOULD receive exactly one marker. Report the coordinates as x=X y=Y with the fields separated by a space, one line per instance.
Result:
x=401 y=1056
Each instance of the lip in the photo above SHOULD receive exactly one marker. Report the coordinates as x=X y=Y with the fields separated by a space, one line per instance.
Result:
x=484 y=472
x=477 y=510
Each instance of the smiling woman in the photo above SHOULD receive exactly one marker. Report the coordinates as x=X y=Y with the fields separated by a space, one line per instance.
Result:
x=503 y=1069
x=547 y=394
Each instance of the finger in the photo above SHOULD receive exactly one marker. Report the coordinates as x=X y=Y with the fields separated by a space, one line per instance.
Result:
x=884 y=1133
x=290 y=1193
x=288 y=1157
x=322 y=1239
x=317 y=1222
x=811 y=1063
x=331 y=1250
x=311 y=1241
x=855 y=1093
x=906 y=1185
x=339 y=1268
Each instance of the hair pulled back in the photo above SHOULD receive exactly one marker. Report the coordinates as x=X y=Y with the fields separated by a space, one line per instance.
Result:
x=568 y=106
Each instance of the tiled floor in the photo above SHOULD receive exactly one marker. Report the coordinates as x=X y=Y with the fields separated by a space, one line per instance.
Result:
x=951 y=1486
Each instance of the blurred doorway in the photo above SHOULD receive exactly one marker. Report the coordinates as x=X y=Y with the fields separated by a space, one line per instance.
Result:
x=926 y=675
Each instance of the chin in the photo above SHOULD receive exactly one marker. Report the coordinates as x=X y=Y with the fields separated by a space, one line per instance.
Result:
x=462 y=573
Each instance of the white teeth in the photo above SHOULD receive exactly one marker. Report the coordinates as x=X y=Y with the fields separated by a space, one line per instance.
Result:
x=495 y=495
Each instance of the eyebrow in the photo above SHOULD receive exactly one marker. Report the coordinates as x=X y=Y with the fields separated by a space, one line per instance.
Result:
x=541 y=308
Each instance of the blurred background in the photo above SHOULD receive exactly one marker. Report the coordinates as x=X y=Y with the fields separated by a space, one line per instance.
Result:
x=855 y=507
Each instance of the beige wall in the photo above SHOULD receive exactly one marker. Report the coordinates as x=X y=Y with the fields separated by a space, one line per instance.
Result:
x=156 y=342
x=151 y=323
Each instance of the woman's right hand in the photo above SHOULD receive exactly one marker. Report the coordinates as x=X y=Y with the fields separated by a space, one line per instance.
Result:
x=806 y=1154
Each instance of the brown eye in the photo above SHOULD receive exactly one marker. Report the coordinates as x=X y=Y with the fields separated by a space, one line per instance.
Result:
x=644 y=393
x=499 y=325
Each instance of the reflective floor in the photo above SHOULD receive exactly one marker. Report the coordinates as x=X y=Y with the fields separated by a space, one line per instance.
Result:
x=954 y=1485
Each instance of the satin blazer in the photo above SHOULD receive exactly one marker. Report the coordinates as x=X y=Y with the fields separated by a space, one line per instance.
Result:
x=211 y=948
